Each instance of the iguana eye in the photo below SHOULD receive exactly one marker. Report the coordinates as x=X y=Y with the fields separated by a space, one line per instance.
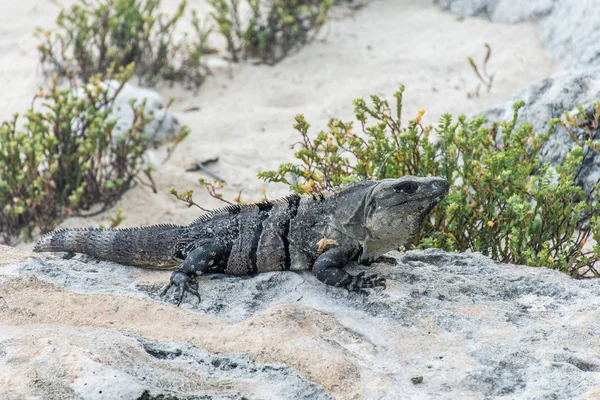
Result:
x=406 y=187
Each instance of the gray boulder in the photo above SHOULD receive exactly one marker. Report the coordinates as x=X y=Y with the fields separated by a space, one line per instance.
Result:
x=549 y=98
x=569 y=29
x=162 y=127
x=506 y=11
x=571 y=33
x=448 y=326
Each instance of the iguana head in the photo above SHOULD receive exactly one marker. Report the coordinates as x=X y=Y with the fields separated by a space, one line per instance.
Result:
x=394 y=210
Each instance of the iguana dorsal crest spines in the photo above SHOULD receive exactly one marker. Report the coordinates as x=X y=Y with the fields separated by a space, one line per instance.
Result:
x=234 y=209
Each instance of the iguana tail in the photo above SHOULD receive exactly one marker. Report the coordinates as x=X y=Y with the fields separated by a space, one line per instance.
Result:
x=153 y=246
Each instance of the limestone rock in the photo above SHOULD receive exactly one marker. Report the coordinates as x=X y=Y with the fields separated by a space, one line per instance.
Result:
x=58 y=362
x=162 y=127
x=470 y=327
x=571 y=32
x=569 y=29
x=506 y=11
x=549 y=98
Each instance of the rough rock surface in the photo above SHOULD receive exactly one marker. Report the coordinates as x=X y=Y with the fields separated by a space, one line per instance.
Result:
x=569 y=29
x=507 y=11
x=470 y=327
x=88 y=363
x=550 y=98
x=163 y=126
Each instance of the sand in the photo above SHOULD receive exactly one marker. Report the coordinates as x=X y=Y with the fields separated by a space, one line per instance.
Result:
x=246 y=111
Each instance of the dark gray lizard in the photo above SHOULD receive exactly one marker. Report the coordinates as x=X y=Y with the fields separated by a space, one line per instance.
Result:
x=361 y=222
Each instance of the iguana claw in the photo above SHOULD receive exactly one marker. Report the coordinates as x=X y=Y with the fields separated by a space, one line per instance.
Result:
x=361 y=282
x=184 y=283
x=387 y=260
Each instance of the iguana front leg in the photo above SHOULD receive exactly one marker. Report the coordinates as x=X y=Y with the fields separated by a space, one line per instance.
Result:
x=209 y=256
x=328 y=269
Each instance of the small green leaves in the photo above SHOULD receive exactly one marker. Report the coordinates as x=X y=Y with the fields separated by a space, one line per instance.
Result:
x=212 y=189
x=60 y=157
x=102 y=36
x=274 y=29
x=185 y=196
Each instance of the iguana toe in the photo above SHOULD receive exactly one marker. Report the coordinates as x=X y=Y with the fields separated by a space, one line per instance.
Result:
x=361 y=282
x=387 y=260
x=184 y=284
x=192 y=287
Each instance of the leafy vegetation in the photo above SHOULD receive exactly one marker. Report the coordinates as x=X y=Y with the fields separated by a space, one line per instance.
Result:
x=505 y=202
x=62 y=155
x=96 y=36
x=274 y=28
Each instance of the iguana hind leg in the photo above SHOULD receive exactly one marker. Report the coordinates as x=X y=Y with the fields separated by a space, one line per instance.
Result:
x=328 y=269
x=207 y=257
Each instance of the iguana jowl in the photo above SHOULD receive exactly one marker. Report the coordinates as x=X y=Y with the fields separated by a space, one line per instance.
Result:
x=359 y=222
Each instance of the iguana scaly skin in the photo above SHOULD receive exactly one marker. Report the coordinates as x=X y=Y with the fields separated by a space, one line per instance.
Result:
x=359 y=222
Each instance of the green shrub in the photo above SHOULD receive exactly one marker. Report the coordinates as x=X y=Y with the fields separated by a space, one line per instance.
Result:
x=505 y=202
x=94 y=36
x=60 y=156
x=274 y=28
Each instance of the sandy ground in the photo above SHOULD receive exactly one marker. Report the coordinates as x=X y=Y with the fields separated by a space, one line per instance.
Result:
x=246 y=112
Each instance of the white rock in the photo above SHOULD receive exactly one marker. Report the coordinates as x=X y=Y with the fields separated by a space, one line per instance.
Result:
x=570 y=29
x=162 y=128
x=471 y=327
x=549 y=98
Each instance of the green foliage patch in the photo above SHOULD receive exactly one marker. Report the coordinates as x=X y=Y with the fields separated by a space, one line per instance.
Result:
x=61 y=156
x=504 y=202
x=274 y=28
x=95 y=36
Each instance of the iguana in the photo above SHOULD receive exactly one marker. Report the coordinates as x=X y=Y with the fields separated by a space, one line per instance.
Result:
x=360 y=221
